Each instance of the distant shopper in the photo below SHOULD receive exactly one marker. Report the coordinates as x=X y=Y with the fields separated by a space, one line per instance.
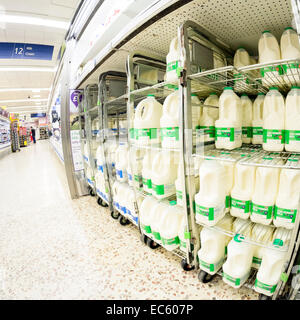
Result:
x=33 y=134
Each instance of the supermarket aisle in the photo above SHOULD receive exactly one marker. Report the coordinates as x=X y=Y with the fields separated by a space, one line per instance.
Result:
x=56 y=248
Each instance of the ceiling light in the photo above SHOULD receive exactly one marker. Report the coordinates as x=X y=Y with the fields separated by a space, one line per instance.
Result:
x=24 y=89
x=29 y=69
x=58 y=24
x=22 y=100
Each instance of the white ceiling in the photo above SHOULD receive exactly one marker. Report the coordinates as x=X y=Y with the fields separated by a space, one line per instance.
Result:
x=59 y=10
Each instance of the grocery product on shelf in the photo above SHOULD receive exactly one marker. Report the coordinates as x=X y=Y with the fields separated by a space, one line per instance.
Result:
x=196 y=111
x=264 y=196
x=273 y=121
x=272 y=263
x=229 y=125
x=116 y=193
x=241 y=194
x=237 y=267
x=169 y=122
x=134 y=167
x=86 y=152
x=147 y=121
x=209 y=116
x=147 y=170
x=173 y=61
x=290 y=49
x=157 y=218
x=269 y=51
x=292 y=120
x=164 y=174
x=146 y=211
x=210 y=200
x=100 y=159
x=101 y=185
x=241 y=59
x=169 y=227
x=214 y=246
x=257 y=122
x=182 y=235
x=229 y=168
x=262 y=235
x=122 y=162
x=287 y=201
x=247 y=119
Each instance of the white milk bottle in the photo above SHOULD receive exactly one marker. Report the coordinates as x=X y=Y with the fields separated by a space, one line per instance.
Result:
x=264 y=196
x=241 y=194
x=157 y=216
x=229 y=168
x=272 y=263
x=134 y=168
x=213 y=247
x=147 y=170
x=257 y=122
x=146 y=211
x=210 y=201
x=122 y=198
x=196 y=111
x=169 y=228
x=287 y=201
x=263 y=235
x=273 y=121
x=237 y=267
x=247 y=118
x=100 y=159
x=164 y=174
x=169 y=122
x=122 y=162
x=229 y=126
x=209 y=117
x=147 y=121
x=241 y=59
x=172 y=60
x=292 y=120
x=290 y=49
x=183 y=235
x=269 y=51
x=86 y=153
x=116 y=193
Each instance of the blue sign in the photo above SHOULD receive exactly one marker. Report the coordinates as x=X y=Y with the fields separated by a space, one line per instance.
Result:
x=11 y=50
x=38 y=115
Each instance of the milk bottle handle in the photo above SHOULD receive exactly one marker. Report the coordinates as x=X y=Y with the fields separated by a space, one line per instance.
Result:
x=140 y=108
x=172 y=99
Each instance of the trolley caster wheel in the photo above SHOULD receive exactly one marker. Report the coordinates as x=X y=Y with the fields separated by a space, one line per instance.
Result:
x=101 y=203
x=115 y=215
x=151 y=244
x=204 y=277
x=185 y=266
x=123 y=221
x=92 y=193
x=264 y=297
x=144 y=238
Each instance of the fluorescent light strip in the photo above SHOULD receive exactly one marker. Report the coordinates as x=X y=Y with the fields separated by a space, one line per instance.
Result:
x=57 y=24
x=24 y=107
x=24 y=89
x=29 y=69
x=22 y=100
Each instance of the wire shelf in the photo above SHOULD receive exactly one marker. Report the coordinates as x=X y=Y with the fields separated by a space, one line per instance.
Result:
x=250 y=283
x=126 y=216
x=280 y=73
x=153 y=147
x=215 y=80
x=166 y=200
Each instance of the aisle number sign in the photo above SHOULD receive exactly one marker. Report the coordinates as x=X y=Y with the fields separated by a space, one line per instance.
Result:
x=12 y=50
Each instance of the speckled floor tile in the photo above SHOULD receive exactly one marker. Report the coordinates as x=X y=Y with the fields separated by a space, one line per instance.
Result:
x=53 y=247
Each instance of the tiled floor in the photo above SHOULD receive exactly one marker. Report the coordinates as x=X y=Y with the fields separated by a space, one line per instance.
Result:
x=56 y=248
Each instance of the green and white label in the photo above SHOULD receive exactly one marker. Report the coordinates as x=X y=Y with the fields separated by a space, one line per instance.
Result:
x=228 y=134
x=147 y=229
x=276 y=136
x=235 y=281
x=277 y=70
x=289 y=66
x=207 y=130
x=147 y=183
x=171 y=241
x=131 y=133
x=256 y=260
x=156 y=235
x=227 y=202
x=161 y=189
x=265 y=211
x=242 y=205
x=265 y=287
x=209 y=213
x=173 y=65
x=151 y=133
x=292 y=136
x=286 y=215
x=179 y=194
x=247 y=132
x=212 y=267
x=170 y=132
x=257 y=131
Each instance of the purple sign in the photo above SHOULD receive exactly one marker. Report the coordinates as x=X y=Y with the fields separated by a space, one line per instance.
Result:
x=75 y=98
